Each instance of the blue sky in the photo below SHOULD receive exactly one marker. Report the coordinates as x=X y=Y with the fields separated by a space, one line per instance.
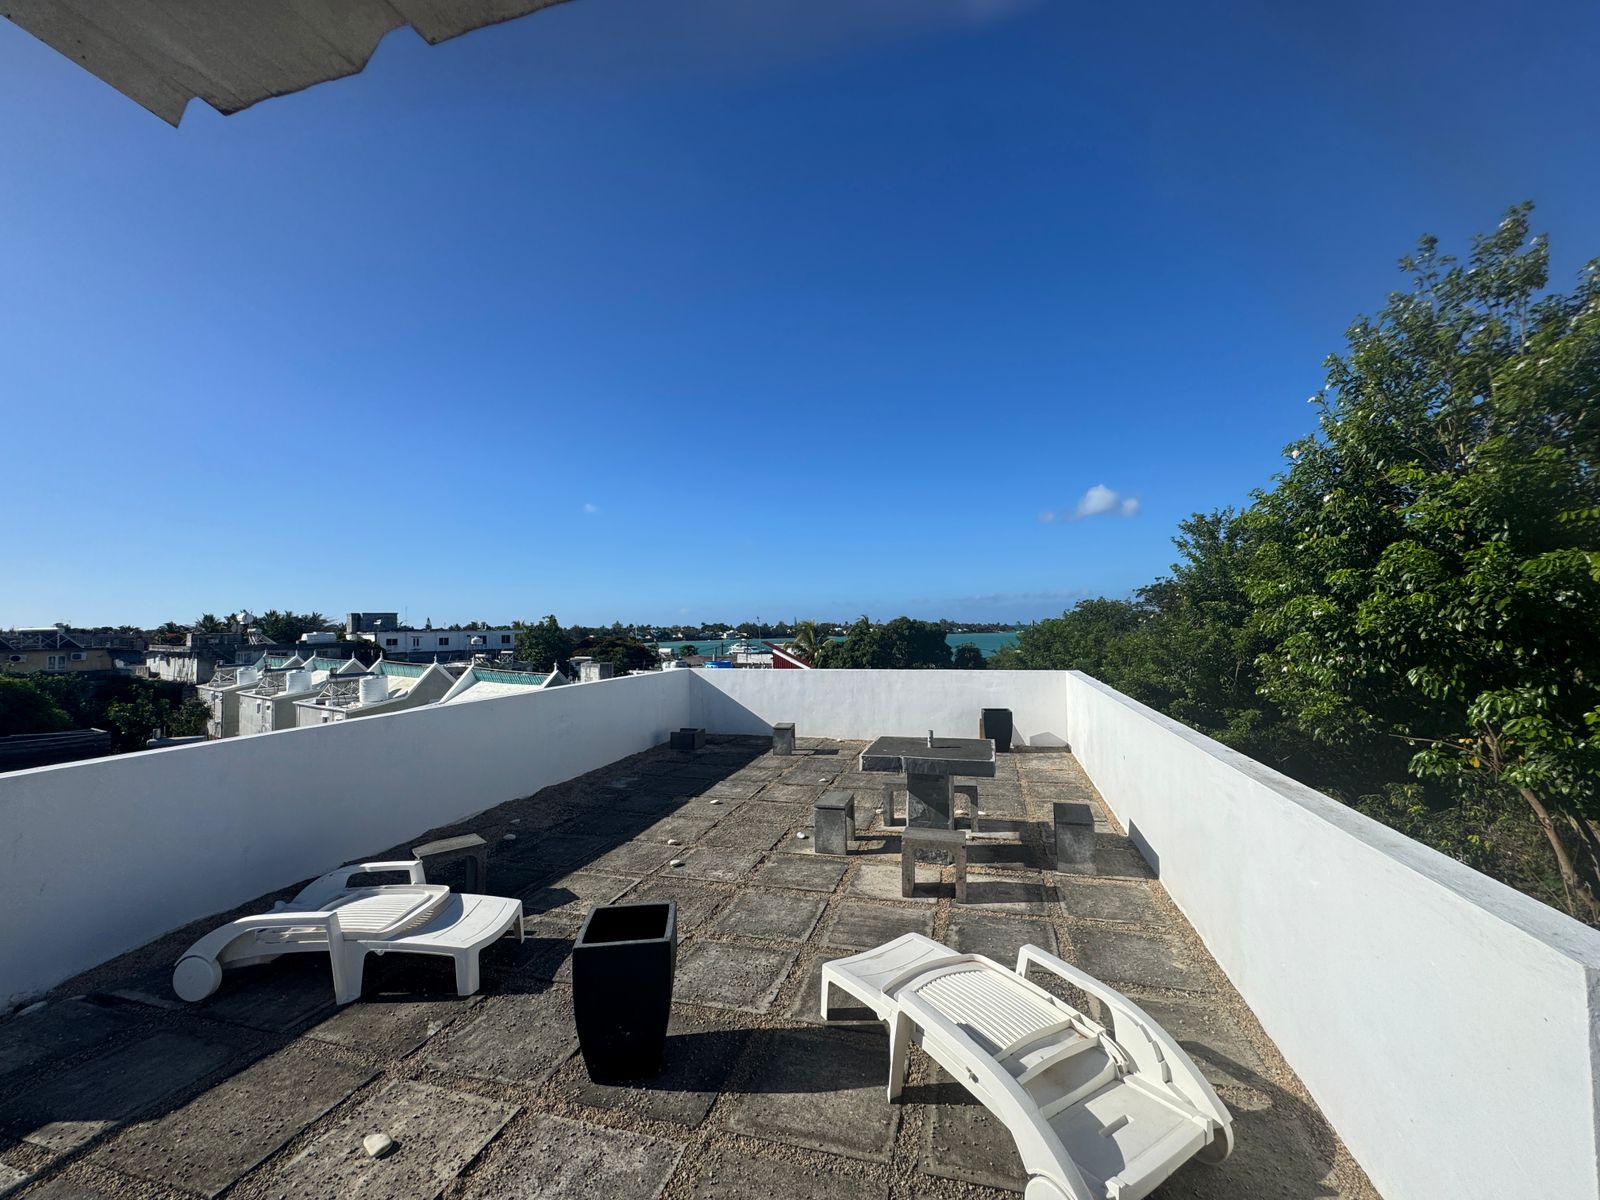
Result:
x=699 y=309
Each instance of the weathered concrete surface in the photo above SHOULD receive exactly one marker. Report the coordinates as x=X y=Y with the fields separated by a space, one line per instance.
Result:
x=512 y=1039
x=728 y=975
x=820 y=1089
x=806 y=874
x=210 y=1143
x=859 y=924
x=751 y=1106
x=775 y=916
x=1122 y=957
x=695 y=1067
x=742 y=1177
x=436 y=1134
x=71 y=1108
x=56 y=1031
x=568 y=1160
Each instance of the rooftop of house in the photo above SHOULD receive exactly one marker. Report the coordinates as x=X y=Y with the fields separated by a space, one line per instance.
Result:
x=114 y=1088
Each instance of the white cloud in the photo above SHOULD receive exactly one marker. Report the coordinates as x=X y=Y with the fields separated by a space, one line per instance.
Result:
x=1098 y=501
x=591 y=508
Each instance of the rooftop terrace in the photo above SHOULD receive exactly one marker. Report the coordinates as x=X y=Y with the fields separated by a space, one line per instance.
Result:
x=1316 y=964
x=266 y=1089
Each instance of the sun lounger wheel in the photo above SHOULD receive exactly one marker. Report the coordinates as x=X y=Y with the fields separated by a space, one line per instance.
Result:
x=195 y=978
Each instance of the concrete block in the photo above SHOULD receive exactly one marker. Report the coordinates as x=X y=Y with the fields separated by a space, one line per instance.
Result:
x=1074 y=827
x=783 y=739
x=834 y=823
x=688 y=739
x=470 y=850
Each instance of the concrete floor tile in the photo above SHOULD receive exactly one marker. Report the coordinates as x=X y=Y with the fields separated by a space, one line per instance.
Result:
x=695 y=901
x=752 y=828
x=213 y=1141
x=1217 y=1045
x=779 y=916
x=743 y=1177
x=726 y=975
x=437 y=1132
x=859 y=924
x=1108 y=900
x=515 y=1039
x=719 y=864
x=1121 y=956
x=881 y=881
x=963 y=1141
x=816 y=873
x=997 y=936
x=695 y=1067
x=392 y=1029
x=73 y=1106
x=1007 y=893
x=821 y=1089
x=59 y=1030
x=568 y=899
x=278 y=996
x=558 y=1159
x=634 y=859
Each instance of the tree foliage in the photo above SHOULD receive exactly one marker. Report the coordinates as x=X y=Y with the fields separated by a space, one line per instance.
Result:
x=1417 y=595
x=900 y=643
x=285 y=628
x=545 y=644
x=967 y=657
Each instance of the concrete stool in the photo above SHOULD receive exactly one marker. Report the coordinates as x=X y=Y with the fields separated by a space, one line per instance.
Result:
x=783 y=740
x=834 y=823
x=468 y=848
x=946 y=841
x=1075 y=839
x=688 y=739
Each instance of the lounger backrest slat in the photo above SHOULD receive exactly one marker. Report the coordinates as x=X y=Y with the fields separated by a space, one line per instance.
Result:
x=987 y=1004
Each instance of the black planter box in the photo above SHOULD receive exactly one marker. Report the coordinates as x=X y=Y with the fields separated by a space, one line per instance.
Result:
x=622 y=969
x=995 y=723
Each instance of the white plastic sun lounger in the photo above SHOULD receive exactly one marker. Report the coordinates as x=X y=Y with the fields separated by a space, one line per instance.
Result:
x=1096 y=1114
x=347 y=923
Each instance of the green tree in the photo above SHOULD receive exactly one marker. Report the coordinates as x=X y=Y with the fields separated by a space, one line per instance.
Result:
x=1426 y=569
x=1080 y=639
x=623 y=653
x=210 y=623
x=688 y=650
x=188 y=719
x=969 y=658
x=897 y=644
x=544 y=643
x=25 y=708
x=169 y=633
x=809 y=640
x=285 y=628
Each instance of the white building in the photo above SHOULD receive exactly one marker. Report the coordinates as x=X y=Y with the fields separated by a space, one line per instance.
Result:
x=444 y=644
x=388 y=687
x=270 y=703
x=486 y=683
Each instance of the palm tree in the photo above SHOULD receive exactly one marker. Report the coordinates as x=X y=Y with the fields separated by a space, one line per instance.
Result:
x=809 y=639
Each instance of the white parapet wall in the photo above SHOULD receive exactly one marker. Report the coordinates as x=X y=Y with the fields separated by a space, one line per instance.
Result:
x=99 y=857
x=863 y=705
x=1449 y=1027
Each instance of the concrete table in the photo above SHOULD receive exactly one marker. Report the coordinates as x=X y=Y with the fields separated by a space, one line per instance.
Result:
x=931 y=766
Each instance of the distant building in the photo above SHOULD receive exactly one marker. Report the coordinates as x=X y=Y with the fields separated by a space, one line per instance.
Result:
x=24 y=651
x=487 y=683
x=197 y=659
x=387 y=687
x=785 y=659
x=441 y=645
x=269 y=703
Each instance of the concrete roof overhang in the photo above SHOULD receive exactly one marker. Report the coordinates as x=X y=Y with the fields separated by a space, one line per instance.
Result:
x=232 y=54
